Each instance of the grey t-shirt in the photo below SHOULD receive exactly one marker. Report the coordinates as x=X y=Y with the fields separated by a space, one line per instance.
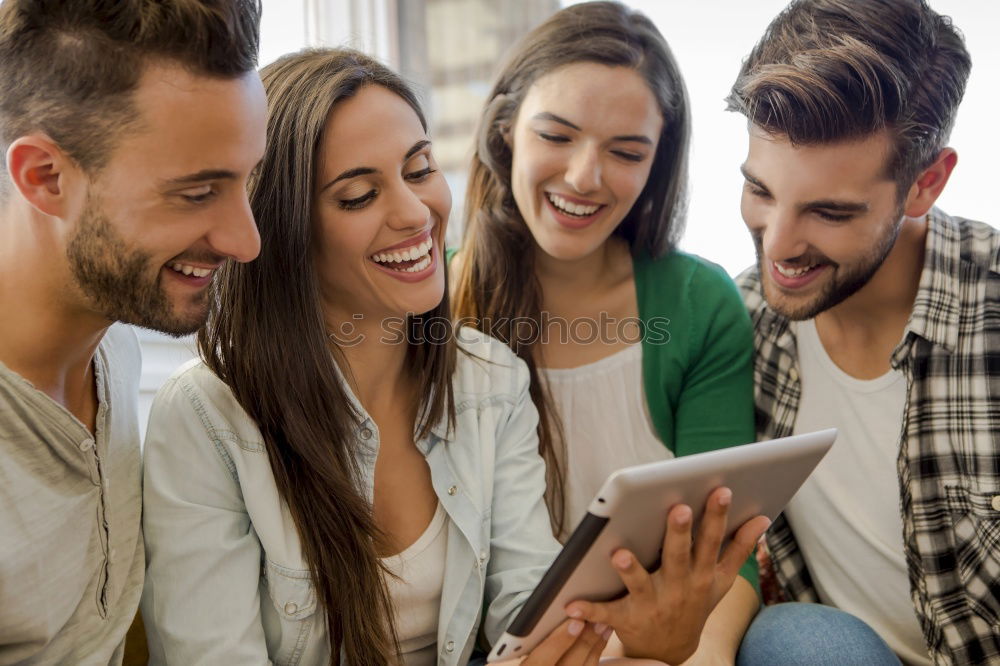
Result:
x=71 y=549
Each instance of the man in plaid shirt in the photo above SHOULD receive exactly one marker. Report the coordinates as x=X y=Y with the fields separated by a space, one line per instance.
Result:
x=877 y=314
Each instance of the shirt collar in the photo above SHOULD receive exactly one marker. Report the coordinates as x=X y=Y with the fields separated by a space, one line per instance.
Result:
x=937 y=306
x=439 y=430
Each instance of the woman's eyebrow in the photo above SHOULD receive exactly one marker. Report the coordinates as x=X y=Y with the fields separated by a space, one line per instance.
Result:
x=365 y=171
x=635 y=138
x=350 y=173
x=417 y=147
x=545 y=115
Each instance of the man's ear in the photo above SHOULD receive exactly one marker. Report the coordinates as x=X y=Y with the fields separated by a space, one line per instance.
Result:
x=37 y=167
x=930 y=183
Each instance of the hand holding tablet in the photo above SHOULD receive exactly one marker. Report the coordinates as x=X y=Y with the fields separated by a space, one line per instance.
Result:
x=646 y=515
x=663 y=614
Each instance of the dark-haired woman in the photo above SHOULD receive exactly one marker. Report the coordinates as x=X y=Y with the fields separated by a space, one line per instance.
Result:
x=337 y=482
x=638 y=352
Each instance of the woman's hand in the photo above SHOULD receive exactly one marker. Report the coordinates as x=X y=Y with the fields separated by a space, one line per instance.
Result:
x=572 y=643
x=664 y=612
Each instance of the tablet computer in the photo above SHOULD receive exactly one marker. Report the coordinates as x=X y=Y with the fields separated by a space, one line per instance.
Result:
x=630 y=511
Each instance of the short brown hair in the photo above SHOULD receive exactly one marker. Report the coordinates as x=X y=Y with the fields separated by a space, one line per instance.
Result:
x=68 y=67
x=833 y=70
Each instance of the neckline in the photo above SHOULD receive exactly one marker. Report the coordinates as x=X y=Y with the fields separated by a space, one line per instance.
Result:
x=615 y=358
x=807 y=333
x=422 y=543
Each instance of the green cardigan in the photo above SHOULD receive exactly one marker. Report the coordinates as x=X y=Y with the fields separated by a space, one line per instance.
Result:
x=697 y=357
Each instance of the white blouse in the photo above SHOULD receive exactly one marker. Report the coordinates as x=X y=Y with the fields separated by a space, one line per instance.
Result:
x=606 y=425
x=416 y=591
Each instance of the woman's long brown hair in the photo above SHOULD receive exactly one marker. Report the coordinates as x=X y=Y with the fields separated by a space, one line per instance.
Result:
x=266 y=338
x=496 y=285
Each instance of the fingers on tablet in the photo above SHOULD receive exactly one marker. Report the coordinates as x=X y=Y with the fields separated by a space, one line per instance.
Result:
x=572 y=643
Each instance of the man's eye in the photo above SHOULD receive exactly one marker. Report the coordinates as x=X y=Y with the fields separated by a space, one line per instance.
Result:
x=359 y=202
x=198 y=195
x=834 y=217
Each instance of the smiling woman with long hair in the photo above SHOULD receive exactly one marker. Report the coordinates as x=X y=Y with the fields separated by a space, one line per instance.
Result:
x=328 y=485
x=637 y=352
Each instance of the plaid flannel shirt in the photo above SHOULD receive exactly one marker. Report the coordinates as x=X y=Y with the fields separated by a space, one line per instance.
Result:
x=949 y=447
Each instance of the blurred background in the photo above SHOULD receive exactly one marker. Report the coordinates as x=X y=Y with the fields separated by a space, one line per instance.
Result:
x=449 y=48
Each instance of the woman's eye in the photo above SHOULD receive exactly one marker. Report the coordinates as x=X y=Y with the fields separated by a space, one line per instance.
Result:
x=198 y=195
x=419 y=176
x=359 y=202
x=554 y=138
x=628 y=155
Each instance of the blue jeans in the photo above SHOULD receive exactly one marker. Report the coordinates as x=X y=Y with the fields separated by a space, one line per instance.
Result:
x=794 y=633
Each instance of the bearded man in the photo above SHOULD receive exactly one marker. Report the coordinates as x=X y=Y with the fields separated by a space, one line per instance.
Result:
x=129 y=130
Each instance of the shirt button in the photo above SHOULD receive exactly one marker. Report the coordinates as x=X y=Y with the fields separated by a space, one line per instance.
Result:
x=995 y=503
x=449 y=646
x=453 y=490
x=291 y=607
x=366 y=434
x=86 y=445
x=793 y=374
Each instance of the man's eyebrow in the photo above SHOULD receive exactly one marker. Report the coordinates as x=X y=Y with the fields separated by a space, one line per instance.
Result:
x=201 y=177
x=635 y=138
x=826 y=204
x=753 y=180
x=839 y=206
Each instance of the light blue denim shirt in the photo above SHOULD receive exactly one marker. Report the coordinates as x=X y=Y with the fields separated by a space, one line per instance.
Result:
x=226 y=582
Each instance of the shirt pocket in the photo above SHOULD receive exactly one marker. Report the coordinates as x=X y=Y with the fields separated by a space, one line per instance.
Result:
x=975 y=517
x=294 y=598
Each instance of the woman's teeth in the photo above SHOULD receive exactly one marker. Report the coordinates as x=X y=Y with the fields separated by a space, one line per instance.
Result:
x=570 y=208
x=794 y=272
x=191 y=270
x=418 y=253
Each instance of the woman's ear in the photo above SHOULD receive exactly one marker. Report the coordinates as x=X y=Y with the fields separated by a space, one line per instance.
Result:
x=929 y=184
x=505 y=133
x=37 y=168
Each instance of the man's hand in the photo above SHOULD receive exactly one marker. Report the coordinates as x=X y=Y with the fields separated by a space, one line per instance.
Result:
x=663 y=614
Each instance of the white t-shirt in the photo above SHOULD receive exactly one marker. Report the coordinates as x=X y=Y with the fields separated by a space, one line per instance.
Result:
x=605 y=422
x=416 y=592
x=846 y=517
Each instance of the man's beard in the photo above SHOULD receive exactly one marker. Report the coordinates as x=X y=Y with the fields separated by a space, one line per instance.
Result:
x=841 y=286
x=121 y=283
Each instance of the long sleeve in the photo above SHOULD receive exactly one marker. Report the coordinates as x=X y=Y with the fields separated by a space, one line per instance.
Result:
x=201 y=602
